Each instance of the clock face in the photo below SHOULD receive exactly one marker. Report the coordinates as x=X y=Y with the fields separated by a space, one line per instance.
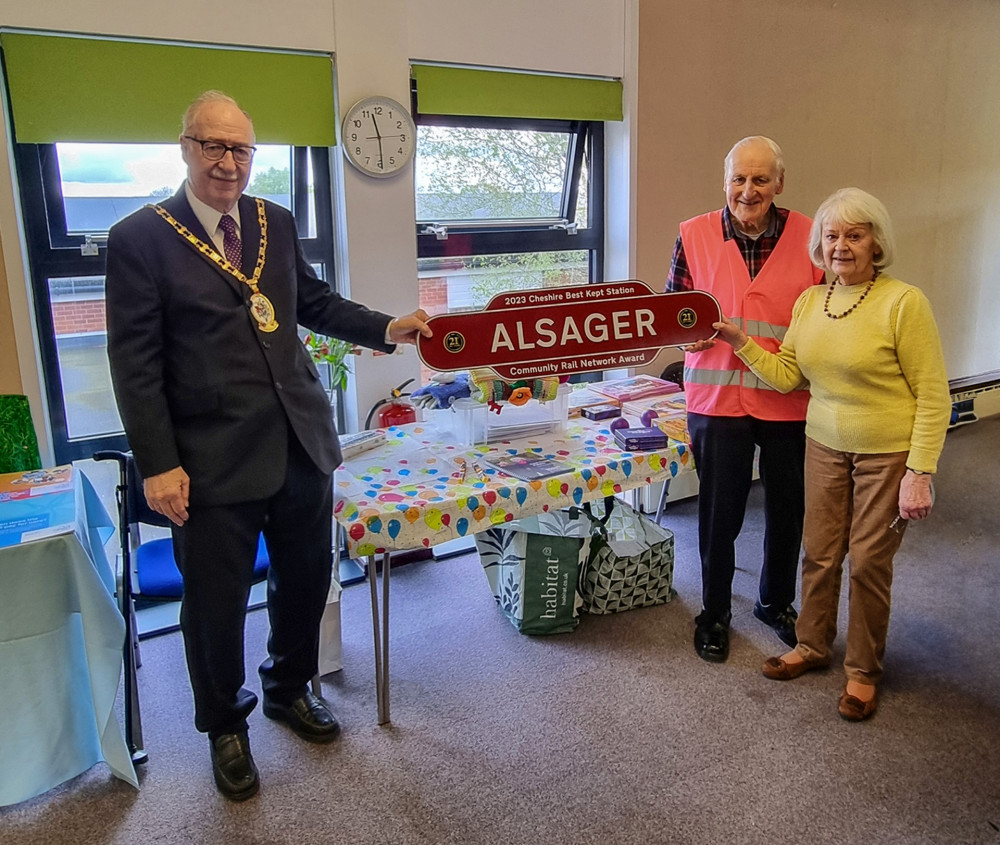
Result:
x=379 y=136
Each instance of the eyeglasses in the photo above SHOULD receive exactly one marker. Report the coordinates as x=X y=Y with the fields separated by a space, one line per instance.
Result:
x=216 y=151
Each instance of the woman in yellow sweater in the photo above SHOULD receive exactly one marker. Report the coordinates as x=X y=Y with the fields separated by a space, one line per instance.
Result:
x=868 y=346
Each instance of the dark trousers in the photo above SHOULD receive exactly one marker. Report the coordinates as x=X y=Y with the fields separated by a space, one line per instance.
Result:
x=215 y=551
x=723 y=449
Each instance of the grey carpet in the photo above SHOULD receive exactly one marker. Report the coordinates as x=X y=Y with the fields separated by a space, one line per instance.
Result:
x=615 y=733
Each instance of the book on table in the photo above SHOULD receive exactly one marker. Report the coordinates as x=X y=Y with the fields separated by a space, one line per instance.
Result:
x=665 y=406
x=584 y=398
x=642 y=439
x=527 y=466
x=636 y=387
x=603 y=411
x=36 y=503
x=674 y=427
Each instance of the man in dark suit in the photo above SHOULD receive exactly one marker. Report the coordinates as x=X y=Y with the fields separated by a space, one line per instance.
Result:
x=229 y=424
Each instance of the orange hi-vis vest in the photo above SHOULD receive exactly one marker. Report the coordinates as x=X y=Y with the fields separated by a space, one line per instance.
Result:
x=716 y=382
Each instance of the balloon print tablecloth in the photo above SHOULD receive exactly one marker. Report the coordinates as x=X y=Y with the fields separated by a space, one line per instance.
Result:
x=422 y=487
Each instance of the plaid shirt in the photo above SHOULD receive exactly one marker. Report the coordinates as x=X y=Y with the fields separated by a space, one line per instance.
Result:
x=755 y=252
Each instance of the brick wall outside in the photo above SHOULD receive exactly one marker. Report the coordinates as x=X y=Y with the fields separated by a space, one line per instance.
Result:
x=433 y=294
x=76 y=316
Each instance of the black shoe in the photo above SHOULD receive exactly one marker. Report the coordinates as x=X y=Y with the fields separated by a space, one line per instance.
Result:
x=783 y=622
x=232 y=764
x=711 y=639
x=308 y=716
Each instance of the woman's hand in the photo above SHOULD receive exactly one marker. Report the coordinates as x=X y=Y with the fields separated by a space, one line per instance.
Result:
x=731 y=333
x=915 y=500
x=728 y=331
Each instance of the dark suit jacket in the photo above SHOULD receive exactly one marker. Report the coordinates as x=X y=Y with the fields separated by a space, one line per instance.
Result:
x=198 y=385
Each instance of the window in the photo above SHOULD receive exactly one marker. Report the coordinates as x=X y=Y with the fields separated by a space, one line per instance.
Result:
x=504 y=204
x=71 y=195
x=99 y=184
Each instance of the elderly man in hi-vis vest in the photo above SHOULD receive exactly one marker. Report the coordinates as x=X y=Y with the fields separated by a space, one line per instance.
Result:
x=753 y=258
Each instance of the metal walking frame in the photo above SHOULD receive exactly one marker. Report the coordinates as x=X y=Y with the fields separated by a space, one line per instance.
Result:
x=126 y=605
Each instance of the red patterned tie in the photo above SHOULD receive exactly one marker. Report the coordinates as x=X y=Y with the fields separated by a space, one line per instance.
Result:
x=231 y=241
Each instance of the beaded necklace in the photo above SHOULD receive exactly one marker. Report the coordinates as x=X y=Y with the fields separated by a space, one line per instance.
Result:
x=829 y=293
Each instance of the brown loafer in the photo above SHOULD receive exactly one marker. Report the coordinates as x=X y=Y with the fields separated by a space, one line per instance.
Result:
x=778 y=670
x=854 y=709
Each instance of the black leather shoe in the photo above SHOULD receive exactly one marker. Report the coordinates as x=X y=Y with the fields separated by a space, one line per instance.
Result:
x=308 y=716
x=782 y=621
x=233 y=766
x=711 y=639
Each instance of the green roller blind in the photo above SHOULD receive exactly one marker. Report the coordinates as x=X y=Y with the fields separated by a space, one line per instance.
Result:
x=493 y=93
x=69 y=88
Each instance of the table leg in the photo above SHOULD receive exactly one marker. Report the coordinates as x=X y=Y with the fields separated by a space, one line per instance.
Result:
x=663 y=500
x=380 y=635
x=386 y=569
x=376 y=633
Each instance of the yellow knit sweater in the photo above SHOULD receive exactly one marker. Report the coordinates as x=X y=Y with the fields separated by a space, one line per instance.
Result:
x=876 y=377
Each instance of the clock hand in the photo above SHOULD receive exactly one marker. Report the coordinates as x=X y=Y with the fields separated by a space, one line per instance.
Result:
x=379 y=136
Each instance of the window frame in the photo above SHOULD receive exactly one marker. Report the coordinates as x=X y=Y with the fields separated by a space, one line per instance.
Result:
x=54 y=253
x=491 y=237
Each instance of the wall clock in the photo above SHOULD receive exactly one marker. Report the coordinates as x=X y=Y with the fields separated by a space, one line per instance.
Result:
x=379 y=136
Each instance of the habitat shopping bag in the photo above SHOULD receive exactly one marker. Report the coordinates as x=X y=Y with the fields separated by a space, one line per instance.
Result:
x=533 y=565
x=631 y=562
x=330 y=643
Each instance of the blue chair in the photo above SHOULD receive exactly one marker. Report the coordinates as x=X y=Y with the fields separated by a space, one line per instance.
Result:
x=154 y=573
x=157 y=578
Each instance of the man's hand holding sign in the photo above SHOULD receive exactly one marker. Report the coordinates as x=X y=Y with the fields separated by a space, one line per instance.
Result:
x=561 y=331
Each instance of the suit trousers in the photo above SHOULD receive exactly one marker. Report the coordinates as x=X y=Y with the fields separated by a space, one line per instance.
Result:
x=723 y=449
x=215 y=551
x=851 y=500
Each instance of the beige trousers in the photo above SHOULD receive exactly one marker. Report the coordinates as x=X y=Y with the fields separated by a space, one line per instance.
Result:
x=851 y=499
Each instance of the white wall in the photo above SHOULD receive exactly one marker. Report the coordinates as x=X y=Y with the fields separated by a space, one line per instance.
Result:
x=565 y=36
x=897 y=97
x=381 y=239
x=302 y=24
x=373 y=41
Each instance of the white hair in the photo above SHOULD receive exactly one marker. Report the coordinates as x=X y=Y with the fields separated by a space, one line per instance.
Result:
x=203 y=99
x=852 y=206
x=779 y=159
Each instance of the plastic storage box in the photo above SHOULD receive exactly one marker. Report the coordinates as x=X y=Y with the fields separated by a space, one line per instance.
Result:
x=479 y=424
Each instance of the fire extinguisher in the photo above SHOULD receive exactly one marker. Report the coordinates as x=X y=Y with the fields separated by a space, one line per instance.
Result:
x=393 y=410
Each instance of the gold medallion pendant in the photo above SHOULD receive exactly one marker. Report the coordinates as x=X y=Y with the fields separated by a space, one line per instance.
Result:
x=263 y=312
x=260 y=306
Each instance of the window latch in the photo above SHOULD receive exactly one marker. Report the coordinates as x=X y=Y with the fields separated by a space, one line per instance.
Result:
x=565 y=225
x=88 y=247
x=439 y=232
